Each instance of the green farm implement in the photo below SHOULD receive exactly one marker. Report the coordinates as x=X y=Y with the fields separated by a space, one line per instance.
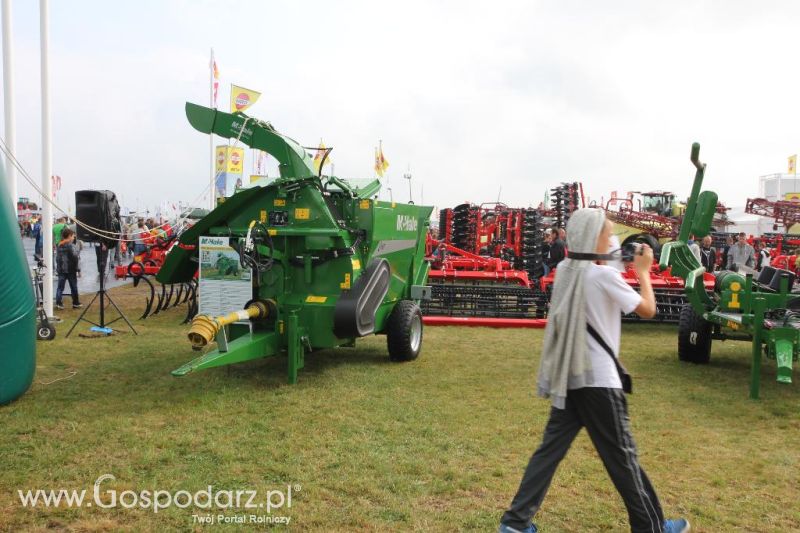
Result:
x=758 y=307
x=303 y=263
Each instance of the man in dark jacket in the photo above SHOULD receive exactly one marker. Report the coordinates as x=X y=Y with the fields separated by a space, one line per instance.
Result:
x=557 y=249
x=68 y=268
x=708 y=255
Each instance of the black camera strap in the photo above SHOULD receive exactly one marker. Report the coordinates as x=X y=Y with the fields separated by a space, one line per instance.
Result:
x=579 y=256
x=624 y=376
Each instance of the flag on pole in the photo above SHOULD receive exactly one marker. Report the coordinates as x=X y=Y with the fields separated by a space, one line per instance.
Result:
x=56 y=181
x=378 y=166
x=319 y=155
x=242 y=98
x=793 y=164
x=261 y=163
x=215 y=74
x=383 y=161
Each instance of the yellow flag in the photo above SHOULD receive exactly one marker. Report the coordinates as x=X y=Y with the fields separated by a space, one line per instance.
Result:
x=378 y=165
x=229 y=159
x=793 y=164
x=320 y=154
x=383 y=161
x=242 y=98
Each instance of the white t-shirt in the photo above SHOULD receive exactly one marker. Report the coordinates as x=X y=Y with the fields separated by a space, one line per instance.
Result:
x=607 y=298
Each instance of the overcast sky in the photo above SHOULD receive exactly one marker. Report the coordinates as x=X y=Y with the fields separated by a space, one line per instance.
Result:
x=472 y=96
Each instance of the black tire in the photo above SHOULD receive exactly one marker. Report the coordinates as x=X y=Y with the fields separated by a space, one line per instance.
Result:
x=45 y=331
x=404 y=331
x=694 y=337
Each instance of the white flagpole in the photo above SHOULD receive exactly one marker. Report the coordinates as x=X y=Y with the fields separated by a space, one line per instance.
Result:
x=47 y=184
x=213 y=191
x=8 y=99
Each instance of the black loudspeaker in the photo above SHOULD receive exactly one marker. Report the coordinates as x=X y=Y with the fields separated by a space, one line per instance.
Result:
x=100 y=210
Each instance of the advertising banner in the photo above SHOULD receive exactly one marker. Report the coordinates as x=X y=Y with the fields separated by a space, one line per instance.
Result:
x=225 y=286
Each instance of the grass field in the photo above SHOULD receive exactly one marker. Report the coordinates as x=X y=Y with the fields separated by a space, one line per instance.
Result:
x=438 y=444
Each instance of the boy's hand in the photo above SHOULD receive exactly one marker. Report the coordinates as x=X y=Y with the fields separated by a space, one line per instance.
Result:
x=643 y=260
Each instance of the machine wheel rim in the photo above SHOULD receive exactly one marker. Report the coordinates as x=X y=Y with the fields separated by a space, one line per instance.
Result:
x=415 y=333
x=44 y=332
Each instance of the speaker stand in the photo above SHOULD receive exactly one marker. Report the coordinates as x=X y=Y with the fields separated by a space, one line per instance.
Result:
x=102 y=257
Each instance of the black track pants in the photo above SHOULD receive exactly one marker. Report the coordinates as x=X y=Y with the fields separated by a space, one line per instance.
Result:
x=604 y=413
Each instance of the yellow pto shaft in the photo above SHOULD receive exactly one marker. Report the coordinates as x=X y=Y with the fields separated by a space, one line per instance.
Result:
x=205 y=328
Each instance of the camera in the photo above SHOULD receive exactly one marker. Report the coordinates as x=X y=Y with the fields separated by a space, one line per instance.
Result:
x=629 y=250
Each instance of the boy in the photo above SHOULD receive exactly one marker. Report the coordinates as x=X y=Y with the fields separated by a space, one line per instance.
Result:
x=578 y=373
x=68 y=269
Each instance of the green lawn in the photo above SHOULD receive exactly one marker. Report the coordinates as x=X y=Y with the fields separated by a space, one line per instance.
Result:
x=438 y=444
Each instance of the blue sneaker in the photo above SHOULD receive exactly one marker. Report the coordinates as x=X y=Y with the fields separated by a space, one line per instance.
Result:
x=679 y=525
x=508 y=529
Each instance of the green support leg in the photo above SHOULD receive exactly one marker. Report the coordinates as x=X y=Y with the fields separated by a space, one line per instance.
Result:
x=758 y=326
x=783 y=358
x=295 y=349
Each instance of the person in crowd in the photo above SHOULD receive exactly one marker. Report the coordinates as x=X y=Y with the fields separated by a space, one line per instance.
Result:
x=547 y=239
x=68 y=268
x=723 y=264
x=141 y=233
x=694 y=247
x=558 y=248
x=578 y=372
x=58 y=227
x=708 y=255
x=761 y=254
x=130 y=231
x=38 y=237
x=741 y=254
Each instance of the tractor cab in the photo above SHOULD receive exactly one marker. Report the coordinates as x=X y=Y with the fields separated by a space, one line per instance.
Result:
x=659 y=203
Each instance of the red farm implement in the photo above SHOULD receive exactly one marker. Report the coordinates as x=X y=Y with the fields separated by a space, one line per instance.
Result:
x=786 y=213
x=147 y=265
x=486 y=259
x=668 y=289
x=465 y=284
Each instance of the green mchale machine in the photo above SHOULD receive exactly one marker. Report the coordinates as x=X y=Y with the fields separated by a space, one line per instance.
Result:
x=762 y=310
x=328 y=262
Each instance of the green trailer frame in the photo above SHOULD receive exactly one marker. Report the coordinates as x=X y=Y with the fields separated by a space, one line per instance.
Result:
x=332 y=246
x=741 y=307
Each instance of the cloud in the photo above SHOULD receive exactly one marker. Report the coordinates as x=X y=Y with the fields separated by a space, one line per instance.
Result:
x=470 y=98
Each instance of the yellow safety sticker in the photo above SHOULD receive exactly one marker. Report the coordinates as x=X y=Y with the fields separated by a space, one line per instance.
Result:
x=272 y=232
x=279 y=202
x=736 y=286
x=263 y=215
x=364 y=204
x=302 y=213
x=734 y=303
x=484 y=239
x=356 y=264
x=394 y=204
x=346 y=283
x=316 y=299
x=280 y=327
